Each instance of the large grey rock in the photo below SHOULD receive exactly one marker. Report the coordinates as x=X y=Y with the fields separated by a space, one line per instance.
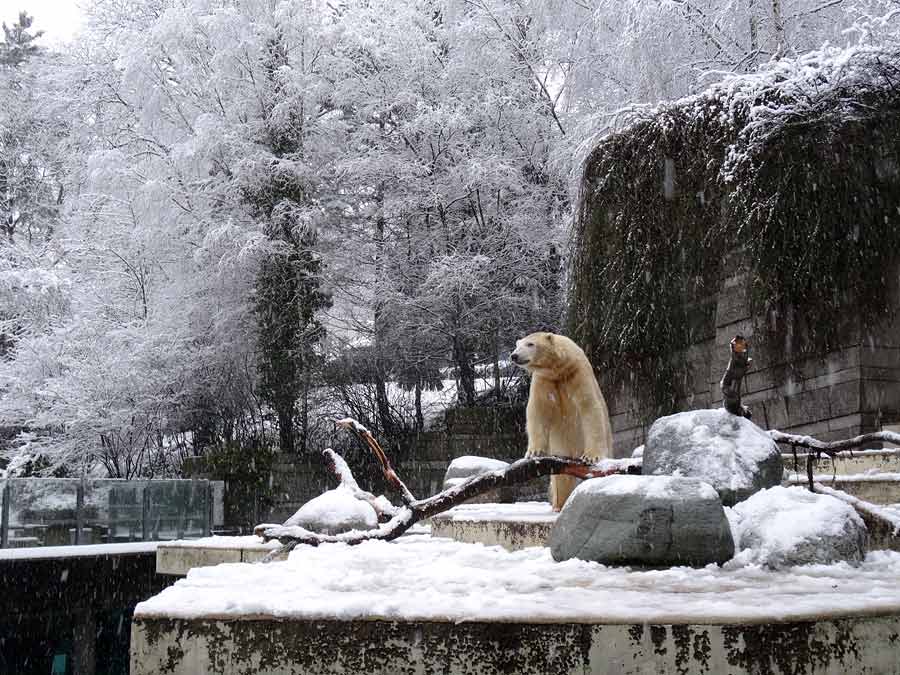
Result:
x=786 y=526
x=643 y=520
x=729 y=452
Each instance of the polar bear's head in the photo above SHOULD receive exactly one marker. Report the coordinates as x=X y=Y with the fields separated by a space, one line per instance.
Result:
x=536 y=351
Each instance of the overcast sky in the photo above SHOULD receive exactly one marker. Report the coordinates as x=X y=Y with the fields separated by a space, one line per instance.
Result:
x=59 y=19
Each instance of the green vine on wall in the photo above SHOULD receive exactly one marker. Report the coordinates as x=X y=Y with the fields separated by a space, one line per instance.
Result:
x=793 y=173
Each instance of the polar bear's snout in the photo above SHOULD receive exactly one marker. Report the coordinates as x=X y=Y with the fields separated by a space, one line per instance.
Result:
x=523 y=353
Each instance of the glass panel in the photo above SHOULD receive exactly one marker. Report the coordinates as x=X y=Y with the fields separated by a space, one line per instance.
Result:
x=42 y=511
x=177 y=509
x=112 y=511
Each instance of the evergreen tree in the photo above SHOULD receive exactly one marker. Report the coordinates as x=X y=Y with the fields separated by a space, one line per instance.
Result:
x=18 y=42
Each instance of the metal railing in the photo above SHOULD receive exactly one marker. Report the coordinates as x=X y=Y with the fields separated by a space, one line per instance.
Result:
x=72 y=511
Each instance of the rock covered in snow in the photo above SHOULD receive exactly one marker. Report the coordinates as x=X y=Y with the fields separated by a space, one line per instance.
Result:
x=786 y=526
x=334 y=512
x=643 y=520
x=467 y=466
x=729 y=452
x=638 y=452
x=470 y=465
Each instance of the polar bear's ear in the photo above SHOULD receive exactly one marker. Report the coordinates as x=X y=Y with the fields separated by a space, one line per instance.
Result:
x=549 y=337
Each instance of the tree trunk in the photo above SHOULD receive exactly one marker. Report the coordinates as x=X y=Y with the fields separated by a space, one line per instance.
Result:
x=465 y=373
x=286 y=429
x=420 y=418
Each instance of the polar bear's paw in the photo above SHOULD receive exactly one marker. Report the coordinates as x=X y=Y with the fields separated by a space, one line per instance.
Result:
x=590 y=456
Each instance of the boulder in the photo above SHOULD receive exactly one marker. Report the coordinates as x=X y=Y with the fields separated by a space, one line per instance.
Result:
x=643 y=520
x=786 y=526
x=334 y=512
x=466 y=466
x=729 y=452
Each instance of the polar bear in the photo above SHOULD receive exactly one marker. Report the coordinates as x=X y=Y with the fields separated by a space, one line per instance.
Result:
x=567 y=414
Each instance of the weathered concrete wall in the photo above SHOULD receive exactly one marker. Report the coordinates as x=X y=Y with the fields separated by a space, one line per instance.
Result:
x=851 y=391
x=77 y=607
x=201 y=647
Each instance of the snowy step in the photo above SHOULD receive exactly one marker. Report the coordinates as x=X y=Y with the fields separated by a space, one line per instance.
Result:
x=849 y=462
x=179 y=557
x=512 y=526
x=877 y=488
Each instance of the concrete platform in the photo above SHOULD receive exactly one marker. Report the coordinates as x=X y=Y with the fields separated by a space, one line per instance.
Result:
x=512 y=526
x=854 y=646
x=178 y=557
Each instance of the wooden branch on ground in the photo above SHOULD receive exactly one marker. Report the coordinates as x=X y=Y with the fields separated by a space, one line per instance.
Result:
x=366 y=437
x=737 y=367
x=818 y=448
x=834 y=447
x=415 y=511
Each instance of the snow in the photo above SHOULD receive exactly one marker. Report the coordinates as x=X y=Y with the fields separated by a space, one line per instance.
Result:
x=471 y=464
x=520 y=512
x=889 y=513
x=78 y=551
x=334 y=511
x=215 y=541
x=426 y=579
x=871 y=476
x=647 y=486
x=783 y=518
x=343 y=471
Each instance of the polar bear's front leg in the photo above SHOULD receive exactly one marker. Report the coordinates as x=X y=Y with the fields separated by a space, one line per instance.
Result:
x=596 y=431
x=536 y=427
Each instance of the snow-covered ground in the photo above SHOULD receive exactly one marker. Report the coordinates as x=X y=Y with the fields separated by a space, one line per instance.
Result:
x=423 y=578
x=76 y=551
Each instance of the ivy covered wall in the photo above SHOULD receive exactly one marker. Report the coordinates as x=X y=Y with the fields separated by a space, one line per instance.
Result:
x=768 y=205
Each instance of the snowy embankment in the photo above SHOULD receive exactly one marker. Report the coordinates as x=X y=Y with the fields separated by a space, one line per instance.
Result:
x=425 y=579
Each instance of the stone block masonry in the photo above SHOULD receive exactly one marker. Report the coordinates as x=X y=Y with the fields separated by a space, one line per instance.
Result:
x=849 y=391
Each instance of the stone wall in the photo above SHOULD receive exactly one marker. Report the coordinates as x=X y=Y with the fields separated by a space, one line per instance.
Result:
x=849 y=391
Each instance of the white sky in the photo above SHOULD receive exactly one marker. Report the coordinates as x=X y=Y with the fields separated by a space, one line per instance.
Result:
x=59 y=19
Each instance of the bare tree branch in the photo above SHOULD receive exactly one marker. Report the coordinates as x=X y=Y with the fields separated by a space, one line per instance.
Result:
x=415 y=511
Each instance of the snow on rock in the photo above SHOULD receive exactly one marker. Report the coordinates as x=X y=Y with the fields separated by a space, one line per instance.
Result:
x=463 y=468
x=470 y=465
x=787 y=526
x=426 y=579
x=638 y=451
x=334 y=512
x=644 y=520
x=729 y=452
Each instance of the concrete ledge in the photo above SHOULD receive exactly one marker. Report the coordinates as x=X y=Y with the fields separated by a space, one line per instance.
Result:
x=858 y=461
x=296 y=647
x=512 y=526
x=178 y=557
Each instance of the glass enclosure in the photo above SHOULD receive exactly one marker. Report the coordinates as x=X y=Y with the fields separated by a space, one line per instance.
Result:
x=66 y=511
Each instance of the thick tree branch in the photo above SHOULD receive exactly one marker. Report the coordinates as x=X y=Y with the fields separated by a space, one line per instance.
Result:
x=414 y=510
x=366 y=437
x=833 y=447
